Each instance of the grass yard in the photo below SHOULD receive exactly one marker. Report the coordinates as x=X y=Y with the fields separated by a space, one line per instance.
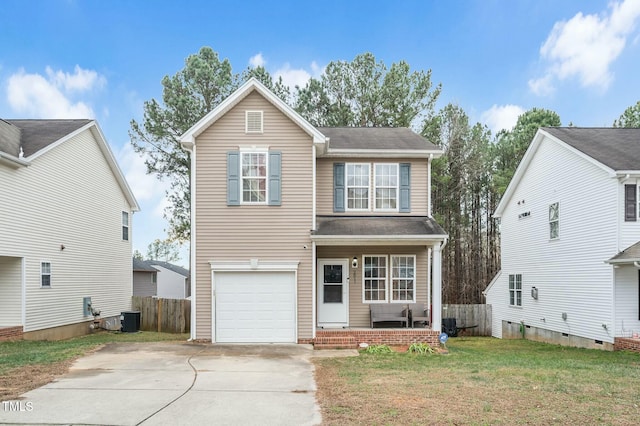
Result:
x=482 y=381
x=25 y=365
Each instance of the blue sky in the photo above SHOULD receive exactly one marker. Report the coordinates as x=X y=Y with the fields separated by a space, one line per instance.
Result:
x=494 y=58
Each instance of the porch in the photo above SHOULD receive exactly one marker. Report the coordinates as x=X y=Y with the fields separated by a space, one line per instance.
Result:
x=350 y=338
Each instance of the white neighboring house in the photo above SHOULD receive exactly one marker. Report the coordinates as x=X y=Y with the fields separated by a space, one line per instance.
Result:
x=65 y=233
x=160 y=279
x=570 y=249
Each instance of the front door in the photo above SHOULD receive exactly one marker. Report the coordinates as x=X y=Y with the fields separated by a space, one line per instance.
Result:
x=333 y=292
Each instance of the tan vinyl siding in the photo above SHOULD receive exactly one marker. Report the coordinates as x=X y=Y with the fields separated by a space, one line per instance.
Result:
x=10 y=291
x=419 y=189
x=359 y=311
x=68 y=196
x=253 y=231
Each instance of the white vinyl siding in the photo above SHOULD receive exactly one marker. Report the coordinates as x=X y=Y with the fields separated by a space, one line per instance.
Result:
x=67 y=196
x=571 y=274
x=10 y=291
x=627 y=301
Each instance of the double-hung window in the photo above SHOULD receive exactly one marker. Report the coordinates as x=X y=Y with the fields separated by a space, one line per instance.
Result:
x=254 y=177
x=125 y=226
x=389 y=278
x=358 y=186
x=515 y=289
x=554 y=221
x=386 y=186
x=374 y=278
x=45 y=274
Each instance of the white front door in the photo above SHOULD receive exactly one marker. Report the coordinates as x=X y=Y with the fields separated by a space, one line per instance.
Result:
x=333 y=292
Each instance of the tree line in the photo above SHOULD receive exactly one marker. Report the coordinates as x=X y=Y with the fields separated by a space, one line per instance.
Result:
x=468 y=180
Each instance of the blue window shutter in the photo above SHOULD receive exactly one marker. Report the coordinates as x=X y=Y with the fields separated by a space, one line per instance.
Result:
x=405 y=187
x=233 y=178
x=275 y=180
x=338 y=187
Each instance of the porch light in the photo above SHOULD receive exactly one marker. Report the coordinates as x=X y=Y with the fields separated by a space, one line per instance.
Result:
x=354 y=262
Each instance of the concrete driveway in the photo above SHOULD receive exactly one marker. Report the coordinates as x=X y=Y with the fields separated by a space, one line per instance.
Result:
x=178 y=384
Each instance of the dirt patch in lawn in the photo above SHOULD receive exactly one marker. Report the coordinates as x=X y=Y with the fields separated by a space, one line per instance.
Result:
x=19 y=380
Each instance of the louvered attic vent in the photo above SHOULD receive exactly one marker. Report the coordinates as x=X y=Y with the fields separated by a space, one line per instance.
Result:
x=254 y=122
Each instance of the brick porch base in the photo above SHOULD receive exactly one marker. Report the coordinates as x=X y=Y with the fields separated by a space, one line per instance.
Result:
x=626 y=344
x=350 y=338
x=11 y=333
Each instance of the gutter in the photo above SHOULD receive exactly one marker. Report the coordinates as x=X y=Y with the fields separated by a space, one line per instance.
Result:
x=12 y=161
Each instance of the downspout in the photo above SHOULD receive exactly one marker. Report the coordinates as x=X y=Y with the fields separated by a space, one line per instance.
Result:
x=429 y=185
x=313 y=245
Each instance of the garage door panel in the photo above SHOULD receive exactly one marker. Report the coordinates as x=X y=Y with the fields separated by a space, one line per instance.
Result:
x=255 y=307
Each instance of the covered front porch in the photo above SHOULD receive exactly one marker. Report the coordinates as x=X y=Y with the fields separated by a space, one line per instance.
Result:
x=394 y=262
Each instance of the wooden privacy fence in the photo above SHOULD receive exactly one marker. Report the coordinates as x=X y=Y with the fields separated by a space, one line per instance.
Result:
x=469 y=315
x=163 y=315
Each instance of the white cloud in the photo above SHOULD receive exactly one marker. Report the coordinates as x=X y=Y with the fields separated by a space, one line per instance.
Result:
x=35 y=96
x=257 y=60
x=298 y=76
x=501 y=117
x=146 y=188
x=585 y=46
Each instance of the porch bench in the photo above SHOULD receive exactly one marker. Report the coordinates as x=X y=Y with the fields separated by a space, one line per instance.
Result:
x=383 y=312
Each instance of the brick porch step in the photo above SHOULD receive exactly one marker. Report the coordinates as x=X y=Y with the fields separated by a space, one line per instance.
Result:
x=335 y=342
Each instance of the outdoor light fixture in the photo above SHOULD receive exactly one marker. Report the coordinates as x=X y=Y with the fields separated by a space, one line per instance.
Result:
x=354 y=262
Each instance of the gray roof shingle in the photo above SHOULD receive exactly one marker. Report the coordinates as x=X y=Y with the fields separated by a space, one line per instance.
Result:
x=379 y=226
x=616 y=148
x=391 y=138
x=142 y=266
x=38 y=134
x=170 y=266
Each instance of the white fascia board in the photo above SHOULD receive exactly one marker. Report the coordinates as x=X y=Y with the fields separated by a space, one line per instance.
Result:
x=11 y=161
x=493 y=281
x=627 y=174
x=377 y=240
x=382 y=153
x=622 y=261
x=232 y=100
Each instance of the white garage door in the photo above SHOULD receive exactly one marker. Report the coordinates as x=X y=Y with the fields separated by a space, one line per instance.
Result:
x=255 y=307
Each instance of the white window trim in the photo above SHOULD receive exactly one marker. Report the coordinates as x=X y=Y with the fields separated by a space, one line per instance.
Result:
x=553 y=221
x=42 y=262
x=397 y=187
x=246 y=122
x=387 y=281
x=266 y=177
x=415 y=268
x=127 y=225
x=346 y=187
x=515 y=290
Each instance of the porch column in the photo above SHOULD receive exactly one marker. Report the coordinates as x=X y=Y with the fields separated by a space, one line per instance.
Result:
x=436 y=314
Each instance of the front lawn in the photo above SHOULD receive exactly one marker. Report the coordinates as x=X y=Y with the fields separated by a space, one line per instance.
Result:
x=25 y=365
x=482 y=381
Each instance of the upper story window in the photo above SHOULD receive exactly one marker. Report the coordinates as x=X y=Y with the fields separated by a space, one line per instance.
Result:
x=125 y=226
x=386 y=186
x=253 y=122
x=515 y=290
x=389 y=190
x=254 y=177
x=45 y=274
x=554 y=221
x=358 y=186
x=630 y=203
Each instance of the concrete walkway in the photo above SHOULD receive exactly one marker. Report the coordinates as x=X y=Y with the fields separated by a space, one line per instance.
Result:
x=178 y=384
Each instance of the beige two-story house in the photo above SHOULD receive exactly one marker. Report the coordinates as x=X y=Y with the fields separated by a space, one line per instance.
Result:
x=297 y=230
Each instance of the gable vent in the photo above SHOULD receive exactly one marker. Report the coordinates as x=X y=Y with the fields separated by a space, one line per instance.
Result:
x=253 y=122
